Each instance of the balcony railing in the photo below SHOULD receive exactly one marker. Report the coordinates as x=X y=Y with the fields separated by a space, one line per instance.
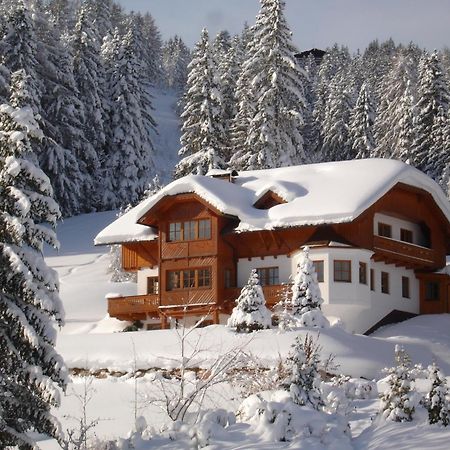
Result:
x=273 y=293
x=133 y=307
x=404 y=251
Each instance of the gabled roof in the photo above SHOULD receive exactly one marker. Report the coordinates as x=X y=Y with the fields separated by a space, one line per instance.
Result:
x=315 y=194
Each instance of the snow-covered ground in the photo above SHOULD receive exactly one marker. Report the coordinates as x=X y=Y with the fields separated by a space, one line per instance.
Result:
x=90 y=340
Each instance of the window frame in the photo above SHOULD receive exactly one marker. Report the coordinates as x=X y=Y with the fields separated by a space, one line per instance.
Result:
x=406 y=288
x=190 y=275
x=341 y=271
x=385 y=282
x=372 y=279
x=319 y=263
x=362 y=273
x=382 y=230
x=409 y=238
x=189 y=230
x=153 y=285
x=436 y=291
x=271 y=273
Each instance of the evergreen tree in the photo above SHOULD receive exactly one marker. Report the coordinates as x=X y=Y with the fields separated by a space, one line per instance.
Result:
x=336 y=121
x=436 y=400
x=399 y=400
x=433 y=94
x=129 y=160
x=175 y=60
x=394 y=110
x=250 y=313
x=274 y=136
x=440 y=145
x=203 y=135
x=30 y=368
x=304 y=380
x=88 y=74
x=361 y=140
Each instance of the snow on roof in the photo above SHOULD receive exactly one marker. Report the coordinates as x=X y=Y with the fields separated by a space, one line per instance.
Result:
x=332 y=192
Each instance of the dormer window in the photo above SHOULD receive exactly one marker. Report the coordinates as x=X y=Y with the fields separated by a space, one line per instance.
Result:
x=189 y=230
x=268 y=200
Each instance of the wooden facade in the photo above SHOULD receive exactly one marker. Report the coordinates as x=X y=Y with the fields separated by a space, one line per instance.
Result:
x=183 y=251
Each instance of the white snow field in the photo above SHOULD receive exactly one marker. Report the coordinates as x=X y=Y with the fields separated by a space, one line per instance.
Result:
x=90 y=340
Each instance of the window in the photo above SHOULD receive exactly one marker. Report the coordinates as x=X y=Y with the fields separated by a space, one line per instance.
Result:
x=343 y=271
x=268 y=275
x=384 y=230
x=204 y=229
x=432 y=291
x=190 y=230
x=372 y=280
x=363 y=273
x=188 y=279
x=406 y=235
x=405 y=287
x=175 y=231
x=152 y=285
x=318 y=265
x=204 y=278
x=385 y=282
x=174 y=280
x=227 y=280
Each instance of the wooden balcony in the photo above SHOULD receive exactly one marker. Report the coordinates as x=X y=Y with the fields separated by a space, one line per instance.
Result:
x=403 y=254
x=136 y=307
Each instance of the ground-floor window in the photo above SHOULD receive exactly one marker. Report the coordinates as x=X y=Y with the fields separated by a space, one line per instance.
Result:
x=432 y=291
x=318 y=266
x=188 y=278
x=268 y=275
x=372 y=279
x=385 y=282
x=343 y=271
x=405 y=287
x=363 y=273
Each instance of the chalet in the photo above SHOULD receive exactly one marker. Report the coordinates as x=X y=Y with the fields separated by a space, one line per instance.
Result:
x=378 y=232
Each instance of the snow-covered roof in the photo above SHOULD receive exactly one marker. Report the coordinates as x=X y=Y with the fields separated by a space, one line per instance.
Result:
x=315 y=194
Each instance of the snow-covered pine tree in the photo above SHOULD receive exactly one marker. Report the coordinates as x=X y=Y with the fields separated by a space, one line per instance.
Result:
x=102 y=11
x=175 y=60
x=250 y=313
x=202 y=137
x=360 y=132
x=129 y=159
x=436 y=400
x=30 y=305
x=399 y=400
x=440 y=145
x=221 y=46
x=274 y=136
x=336 y=120
x=306 y=299
x=394 y=109
x=433 y=92
x=405 y=123
x=304 y=379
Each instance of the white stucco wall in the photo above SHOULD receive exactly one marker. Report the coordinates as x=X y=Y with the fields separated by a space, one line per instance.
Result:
x=142 y=276
x=396 y=225
x=245 y=266
x=357 y=307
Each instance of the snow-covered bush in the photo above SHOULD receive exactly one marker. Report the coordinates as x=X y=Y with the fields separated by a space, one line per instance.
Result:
x=211 y=426
x=356 y=388
x=436 y=401
x=399 y=400
x=304 y=380
x=250 y=313
x=274 y=416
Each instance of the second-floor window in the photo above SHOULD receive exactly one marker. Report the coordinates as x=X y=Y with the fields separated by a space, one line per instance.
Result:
x=188 y=279
x=384 y=230
x=406 y=235
x=189 y=230
x=268 y=275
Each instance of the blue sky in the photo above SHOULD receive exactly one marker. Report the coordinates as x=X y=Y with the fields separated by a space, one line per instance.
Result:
x=315 y=23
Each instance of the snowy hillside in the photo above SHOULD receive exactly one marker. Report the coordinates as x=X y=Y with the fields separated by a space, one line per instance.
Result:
x=89 y=341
